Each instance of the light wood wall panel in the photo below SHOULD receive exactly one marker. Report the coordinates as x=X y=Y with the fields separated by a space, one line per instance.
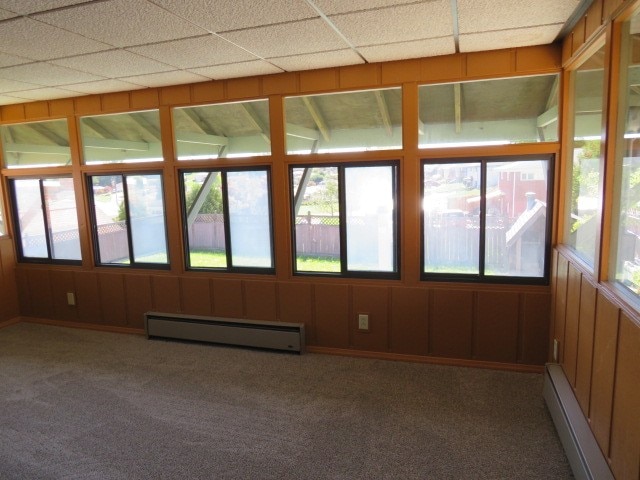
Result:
x=260 y=300
x=332 y=315
x=227 y=298
x=166 y=294
x=584 y=363
x=560 y=308
x=495 y=332
x=295 y=302
x=88 y=297
x=373 y=301
x=451 y=323
x=112 y=298
x=41 y=297
x=572 y=321
x=62 y=281
x=534 y=330
x=9 y=305
x=409 y=320
x=138 y=299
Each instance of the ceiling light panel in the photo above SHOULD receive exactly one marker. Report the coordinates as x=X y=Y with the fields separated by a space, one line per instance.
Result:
x=480 y=15
x=195 y=52
x=37 y=41
x=224 y=15
x=114 y=64
x=403 y=23
x=307 y=36
x=122 y=23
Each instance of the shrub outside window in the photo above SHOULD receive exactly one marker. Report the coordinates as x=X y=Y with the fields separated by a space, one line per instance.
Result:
x=346 y=219
x=486 y=219
x=46 y=220
x=227 y=222
x=489 y=112
x=129 y=219
x=584 y=197
x=121 y=138
x=625 y=261
x=36 y=144
x=225 y=130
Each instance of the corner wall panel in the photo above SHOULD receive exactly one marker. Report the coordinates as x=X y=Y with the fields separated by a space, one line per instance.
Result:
x=451 y=323
x=409 y=320
x=495 y=335
x=562 y=274
x=24 y=296
x=332 y=315
x=40 y=292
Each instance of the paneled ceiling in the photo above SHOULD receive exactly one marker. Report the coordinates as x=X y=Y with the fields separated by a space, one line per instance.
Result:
x=66 y=48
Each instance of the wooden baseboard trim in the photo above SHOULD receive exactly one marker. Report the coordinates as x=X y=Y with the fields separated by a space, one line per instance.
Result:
x=452 y=362
x=86 y=326
x=8 y=323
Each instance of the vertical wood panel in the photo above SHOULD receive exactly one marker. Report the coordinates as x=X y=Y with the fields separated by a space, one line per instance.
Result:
x=604 y=356
x=492 y=63
x=295 y=302
x=578 y=34
x=138 y=298
x=61 y=283
x=373 y=301
x=560 y=310
x=88 y=297
x=445 y=67
x=451 y=323
x=570 y=356
x=318 y=80
x=227 y=298
x=112 y=298
x=196 y=296
x=357 y=76
x=24 y=296
x=409 y=320
x=625 y=423
x=495 y=334
x=332 y=315
x=534 y=334
x=166 y=294
x=594 y=18
x=40 y=293
x=10 y=306
x=585 y=344
x=260 y=300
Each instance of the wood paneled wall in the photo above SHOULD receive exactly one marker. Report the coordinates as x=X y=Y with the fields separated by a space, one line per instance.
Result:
x=8 y=287
x=504 y=325
x=600 y=355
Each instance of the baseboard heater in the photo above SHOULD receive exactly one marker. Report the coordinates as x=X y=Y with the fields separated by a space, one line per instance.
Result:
x=228 y=331
x=585 y=457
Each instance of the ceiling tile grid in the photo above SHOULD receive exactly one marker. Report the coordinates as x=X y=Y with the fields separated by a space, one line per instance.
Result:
x=54 y=48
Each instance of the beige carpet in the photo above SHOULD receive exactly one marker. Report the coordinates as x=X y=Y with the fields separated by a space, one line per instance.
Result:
x=78 y=404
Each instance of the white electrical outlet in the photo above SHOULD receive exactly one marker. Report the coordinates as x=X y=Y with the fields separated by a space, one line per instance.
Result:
x=556 y=346
x=71 y=298
x=363 y=321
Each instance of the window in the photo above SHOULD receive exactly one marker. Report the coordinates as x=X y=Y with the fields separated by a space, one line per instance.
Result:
x=36 y=144
x=584 y=197
x=489 y=112
x=227 y=216
x=346 y=219
x=129 y=219
x=344 y=122
x=482 y=221
x=46 y=220
x=625 y=262
x=226 y=130
x=121 y=138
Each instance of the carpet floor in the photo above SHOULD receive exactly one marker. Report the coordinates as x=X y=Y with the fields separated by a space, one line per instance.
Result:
x=79 y=404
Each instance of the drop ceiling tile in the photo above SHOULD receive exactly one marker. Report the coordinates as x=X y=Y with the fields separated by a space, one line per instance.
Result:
x=25 y=7
x=306 y=36
x=195 y=52
x=7 y=60
x=480 y=15
x=233 y=70
x=522 y=37
x=45 y=74
x=35 y=40
x=46 y=94
x=121 y=22
x=311 y=61
x=403 y=23
x=7 y=86
x=177 y=77
x=5 y=14
x=400 y=51
x=238 y=14
x=331 y=7
x=103 y=86
x=9 y=100
x=113 y=64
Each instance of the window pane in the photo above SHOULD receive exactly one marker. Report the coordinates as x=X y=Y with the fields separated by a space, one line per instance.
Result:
x=31 y=218
x=110 y=216
x=59 y=194
x=451 y=217
x=121 y=138
x=489 y=112
x=626 y=215
x=146 y=218
x=516 y=218
x=370 y=219
x=225 y=130
x=249 y=218
x=344 y=122
x=584 y=195
x=317 y=219
x=36 y=144
x=205 y=219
